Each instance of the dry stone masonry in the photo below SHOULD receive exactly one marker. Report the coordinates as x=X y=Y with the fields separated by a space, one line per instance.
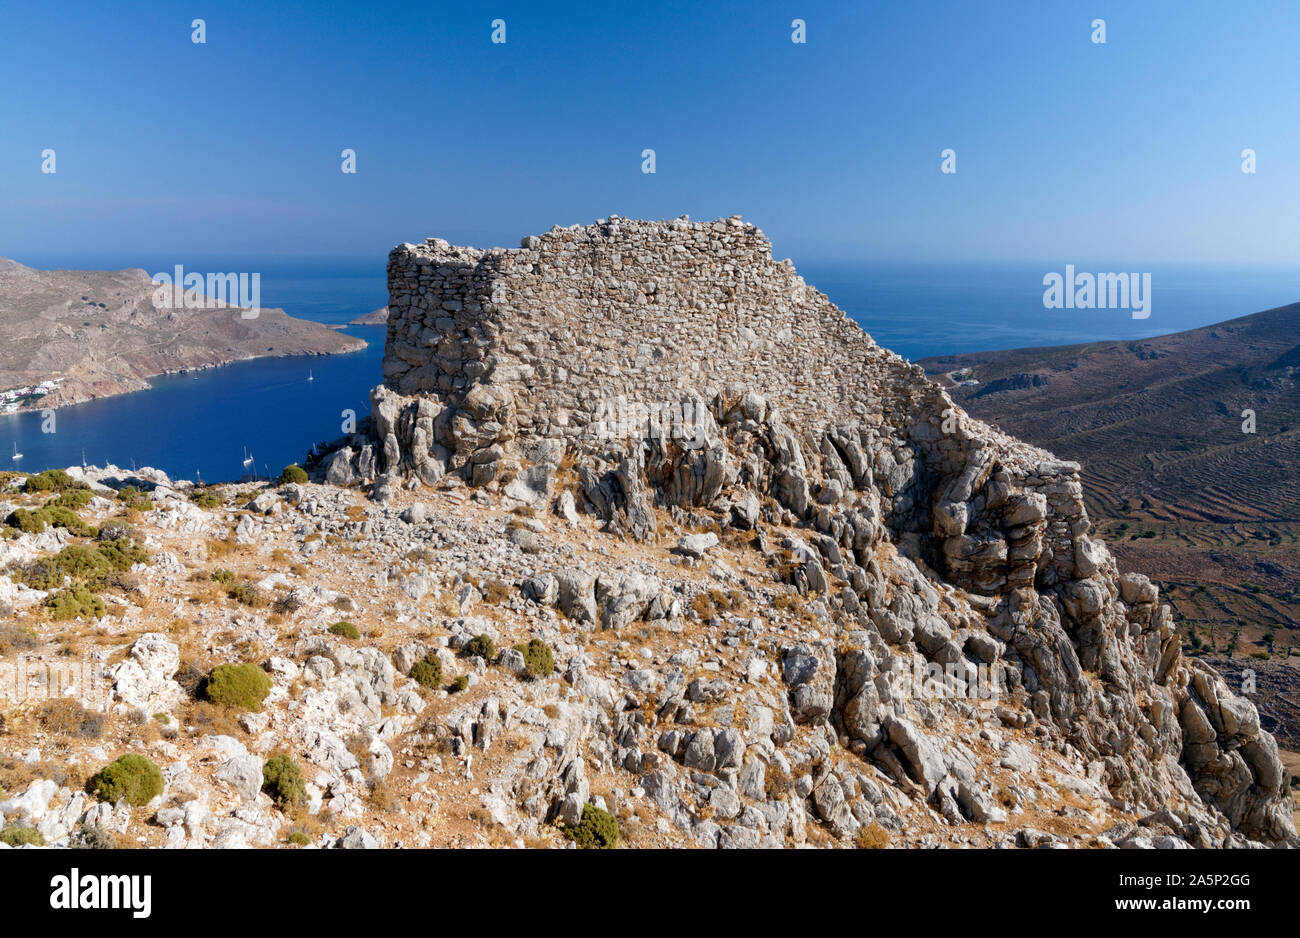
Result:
x=581 y=315
x=926 y=536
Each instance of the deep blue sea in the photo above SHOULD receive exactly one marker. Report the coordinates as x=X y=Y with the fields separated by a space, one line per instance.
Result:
x=200 y=425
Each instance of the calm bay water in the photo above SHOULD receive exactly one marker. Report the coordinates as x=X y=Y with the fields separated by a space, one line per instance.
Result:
x=200 y=425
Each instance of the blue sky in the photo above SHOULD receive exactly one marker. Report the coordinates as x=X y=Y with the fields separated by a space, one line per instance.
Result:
x=1066 y=150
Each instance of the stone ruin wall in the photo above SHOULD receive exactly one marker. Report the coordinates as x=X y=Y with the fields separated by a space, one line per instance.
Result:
x=587 y=321
x=580 y=316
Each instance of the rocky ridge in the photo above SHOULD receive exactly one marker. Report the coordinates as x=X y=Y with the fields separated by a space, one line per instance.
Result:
x=500 y=363
x=833 y=611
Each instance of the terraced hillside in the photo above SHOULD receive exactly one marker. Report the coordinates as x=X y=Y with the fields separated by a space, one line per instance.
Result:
x=1175 y=483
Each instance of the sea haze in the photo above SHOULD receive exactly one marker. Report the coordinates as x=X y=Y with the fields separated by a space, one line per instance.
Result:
x=924 y=310
x=200 y=424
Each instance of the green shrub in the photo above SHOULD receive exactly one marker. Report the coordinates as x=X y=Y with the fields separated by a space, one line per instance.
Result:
x=298 y=839
x=75 y=602
x=346 y=629
x=427 y=672
x=51 y=480
x=36 y=520
x=292 y=474
x=122 y=553
x=20 y=836
x=132 y=778
x=538 y=661
x=241 y=686
x=249 y=595
x=29 y=521
x=461 y=683
x=598 y=829
x=204 y=499
x=224 y=577
x=72 y=499
x=282 y=780
x=134 y=498
x=114 y=530
x=59 y=516
x=77 y=561
x=481 y=645
x=90 y=566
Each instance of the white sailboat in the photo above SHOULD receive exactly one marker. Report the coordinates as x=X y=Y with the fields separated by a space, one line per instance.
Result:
x=17 y=455
x=248 y=458
x=309 y=375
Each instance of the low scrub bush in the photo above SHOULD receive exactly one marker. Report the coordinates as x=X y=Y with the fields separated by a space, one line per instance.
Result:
x=133 y=498
x=94 y=837
x=15 y=637
x=28 y=520
x=293 y=474
x=249 y=595
x=16 y=836
x=282 y=780
x=74 y=603
x=427 y=672
x=346 y=629
x=205 y=499
x=132 y=778
x=115 y=530
x=240 y=686
x=538 y=660
x=871 y=837
x=482 y=646
x=93 y=567
x=597 y=830
x=72 y=499
x=36 y=520
x=51 y=480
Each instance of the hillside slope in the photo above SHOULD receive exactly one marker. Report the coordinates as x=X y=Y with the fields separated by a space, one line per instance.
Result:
x=1181 y=492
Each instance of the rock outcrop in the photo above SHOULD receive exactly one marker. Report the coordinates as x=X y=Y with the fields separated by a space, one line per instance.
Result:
x=674 y=369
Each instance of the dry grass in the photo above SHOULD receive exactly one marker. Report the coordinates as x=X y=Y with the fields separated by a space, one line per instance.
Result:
x=208 y=718
x=220 y=549
x=708 y=604
x=17 y=637
x=67 y=717
x=16 y=775
x=871 y=837
x=381 y=797
x=496 y=592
